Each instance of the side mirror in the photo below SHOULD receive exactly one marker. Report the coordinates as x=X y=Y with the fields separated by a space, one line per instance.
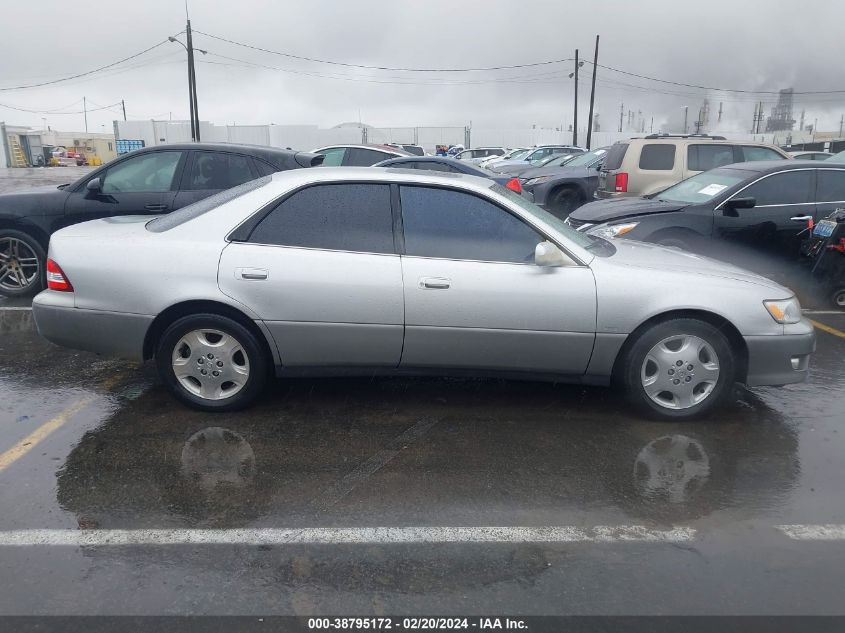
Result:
x=731 y=206
x=94 y=184
x=549 y=255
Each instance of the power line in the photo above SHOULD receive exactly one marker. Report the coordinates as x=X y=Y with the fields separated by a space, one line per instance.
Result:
x=367 y=67
x=677 y=83
x=87 y=72
x=53 y=112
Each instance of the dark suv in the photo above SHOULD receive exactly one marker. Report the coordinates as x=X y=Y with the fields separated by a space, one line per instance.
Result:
x=152 y=180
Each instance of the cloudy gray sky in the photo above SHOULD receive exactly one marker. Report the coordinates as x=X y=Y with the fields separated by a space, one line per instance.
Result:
x=750 y=45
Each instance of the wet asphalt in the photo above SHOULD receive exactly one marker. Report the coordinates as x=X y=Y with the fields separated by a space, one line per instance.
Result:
x=414 y=452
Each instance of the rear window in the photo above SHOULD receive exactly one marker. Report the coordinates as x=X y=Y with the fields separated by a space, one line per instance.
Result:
x=172 y=220
x=615 y=156
x=657 y=157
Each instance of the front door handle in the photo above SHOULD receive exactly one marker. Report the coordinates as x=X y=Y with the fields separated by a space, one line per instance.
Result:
x=251 y=274
x=155 y=207
x=435 y=283
x=801 y=218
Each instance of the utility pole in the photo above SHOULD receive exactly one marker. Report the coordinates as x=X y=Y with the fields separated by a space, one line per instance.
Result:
x=686 y=113
x=760 y=117
x=754 y=120
x=720 y=113
x=841 y=121
x=575 y=124
x=652 y=125
x=621 y=114
x=123 y=104
x=593 y=94
x=85 y=111
x=192 y=78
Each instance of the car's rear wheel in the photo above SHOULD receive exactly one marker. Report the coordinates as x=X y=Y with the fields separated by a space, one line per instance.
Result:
x=212 y=362
x=564 y=201
x=22 y=264
x=679 y=369
x=837 y=298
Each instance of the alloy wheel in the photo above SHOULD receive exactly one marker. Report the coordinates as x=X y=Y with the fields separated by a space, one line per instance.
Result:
x=19 y=265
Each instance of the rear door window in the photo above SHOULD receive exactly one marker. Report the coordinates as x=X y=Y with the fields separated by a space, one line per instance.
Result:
x=333 y=156
x=657 y=157
x=363 y=157
x=345 y=217
x=831 y=186
x=704 y=157
x=753 y=152
x=615 y=156
x=218 y=170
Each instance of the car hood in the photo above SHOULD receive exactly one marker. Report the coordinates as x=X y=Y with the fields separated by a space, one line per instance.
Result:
x=634 y=254
x=618 y=208
x=500 y=165
x=560 y=172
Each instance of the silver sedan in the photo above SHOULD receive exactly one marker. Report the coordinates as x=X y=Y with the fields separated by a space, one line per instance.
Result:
x=386 y=271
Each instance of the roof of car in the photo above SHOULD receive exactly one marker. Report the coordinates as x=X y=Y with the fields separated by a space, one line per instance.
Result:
x=384 y=148
x=770 y=166
x=223 y=147
x=379 y=174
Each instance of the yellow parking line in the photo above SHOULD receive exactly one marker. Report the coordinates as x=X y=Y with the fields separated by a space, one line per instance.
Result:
x=828 y=329
x=33 y=439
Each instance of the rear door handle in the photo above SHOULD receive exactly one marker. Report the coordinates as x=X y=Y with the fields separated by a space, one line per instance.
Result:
x=435 y=283
x=801 y=218
x=251 y=274
x=155 y=207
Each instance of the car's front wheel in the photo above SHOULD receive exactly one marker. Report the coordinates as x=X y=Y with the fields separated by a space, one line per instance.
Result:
x=679 y=369
x=212 y=362
x=564 y=201
x=22 y=263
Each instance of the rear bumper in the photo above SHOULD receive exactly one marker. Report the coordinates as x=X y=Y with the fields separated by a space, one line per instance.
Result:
x=780 y=360
x=111 y=333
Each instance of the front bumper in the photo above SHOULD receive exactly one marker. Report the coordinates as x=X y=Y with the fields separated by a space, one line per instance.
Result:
x=781 y=359
x=112 y=333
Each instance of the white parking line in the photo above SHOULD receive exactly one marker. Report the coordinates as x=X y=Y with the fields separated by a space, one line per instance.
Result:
x=16 y=308
x=343 y=536
x=826 y=532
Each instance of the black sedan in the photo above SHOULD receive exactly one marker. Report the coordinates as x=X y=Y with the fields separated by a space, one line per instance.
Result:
x=152 y=180
x=560 y=189
x=754 y=214
x=450 y=165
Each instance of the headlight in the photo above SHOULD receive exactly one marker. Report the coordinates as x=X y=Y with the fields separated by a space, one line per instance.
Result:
x=537 y=180
x=612 y=230
x=784 y=310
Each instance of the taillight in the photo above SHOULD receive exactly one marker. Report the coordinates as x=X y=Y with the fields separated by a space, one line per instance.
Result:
x=622 y=182
x=513 y=185
x=56 y=278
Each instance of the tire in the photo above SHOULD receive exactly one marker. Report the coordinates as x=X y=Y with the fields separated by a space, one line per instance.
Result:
x=225 y=346
x=837 y=298
x=27 y=274
x=651 y=362
x=564 y=201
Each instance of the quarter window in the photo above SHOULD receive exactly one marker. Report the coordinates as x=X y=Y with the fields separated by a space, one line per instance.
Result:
x=831 y=186
x=456 y=225
x=791 y=187
x=333 y=156
x=345 y=217
x=753 y=152
x=657 y=156
x=150 y=172
x=216 y=170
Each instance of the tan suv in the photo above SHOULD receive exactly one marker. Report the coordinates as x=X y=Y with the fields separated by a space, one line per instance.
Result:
x=642 y=166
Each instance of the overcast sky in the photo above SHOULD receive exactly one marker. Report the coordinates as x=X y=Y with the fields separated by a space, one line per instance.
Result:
x=750 y=45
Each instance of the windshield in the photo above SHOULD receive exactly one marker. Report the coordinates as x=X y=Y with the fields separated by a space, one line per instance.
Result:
x=516 y=154
x=581 y=239
x=703 y=187
x=837 y=158
x=589 y=159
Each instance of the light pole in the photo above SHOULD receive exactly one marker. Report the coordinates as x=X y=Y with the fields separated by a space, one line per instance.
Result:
x=192 y=87
x=575 y=114
x=686 y=112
